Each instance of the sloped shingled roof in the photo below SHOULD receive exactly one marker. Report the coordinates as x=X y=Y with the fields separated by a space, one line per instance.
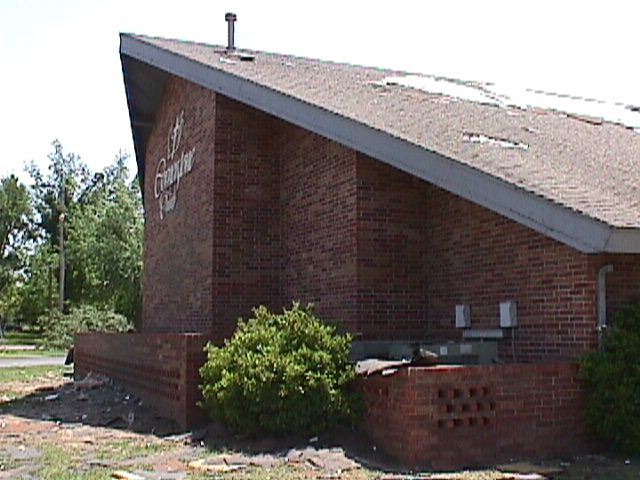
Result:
x=588 y=168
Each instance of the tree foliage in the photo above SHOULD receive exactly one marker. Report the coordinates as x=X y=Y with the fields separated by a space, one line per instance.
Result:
x=15 y=227
x=15 y=234
x=58 y=329
x=105 y=243
x=102 y=233
x=67 y=179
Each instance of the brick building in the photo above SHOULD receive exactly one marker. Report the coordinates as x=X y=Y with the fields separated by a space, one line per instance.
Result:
x=396 y=204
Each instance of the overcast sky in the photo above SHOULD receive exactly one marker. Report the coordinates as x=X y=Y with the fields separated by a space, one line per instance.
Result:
x=61 y=77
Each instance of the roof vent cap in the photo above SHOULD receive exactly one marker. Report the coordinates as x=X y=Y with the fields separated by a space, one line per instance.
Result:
x=230 y=18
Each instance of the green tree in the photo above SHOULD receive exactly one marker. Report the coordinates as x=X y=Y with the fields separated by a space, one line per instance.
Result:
x=16 y=215
x=105 y=242
x=54 y=194
x=57 y=191
x=38 y=291
x=103 y=229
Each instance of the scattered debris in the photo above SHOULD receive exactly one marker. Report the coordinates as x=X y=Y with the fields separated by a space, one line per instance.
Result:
x=184 y=438
x=203 y=467
x=123 y=475
x=19 y=453
x=373 y=365
x=24 y=436
x=424 y=358
x=530 y=468
x=329 y=460
x=91 y=381
x=53 y=396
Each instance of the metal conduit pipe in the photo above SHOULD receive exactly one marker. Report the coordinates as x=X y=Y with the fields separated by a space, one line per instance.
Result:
x=602 y=300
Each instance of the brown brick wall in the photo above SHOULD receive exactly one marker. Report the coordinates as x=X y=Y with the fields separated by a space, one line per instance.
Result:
x=623 y=283
x=452 y=417
x=178 y=250
x=480 y=258
x=161 y=368
x=393 y=254
x=273 y=213
x=246 y=219
x=318 y=202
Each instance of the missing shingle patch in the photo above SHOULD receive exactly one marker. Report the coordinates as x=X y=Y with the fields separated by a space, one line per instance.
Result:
x=508 y=96
x=498 y=142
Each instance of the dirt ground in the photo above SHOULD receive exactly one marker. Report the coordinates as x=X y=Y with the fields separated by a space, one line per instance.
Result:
x=53 y=428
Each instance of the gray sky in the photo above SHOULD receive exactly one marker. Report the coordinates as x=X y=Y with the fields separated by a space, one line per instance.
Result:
x=61 y=75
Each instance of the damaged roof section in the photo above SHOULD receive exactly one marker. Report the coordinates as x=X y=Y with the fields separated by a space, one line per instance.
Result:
x=568 y=172
x=500 y=142
x=511 y=96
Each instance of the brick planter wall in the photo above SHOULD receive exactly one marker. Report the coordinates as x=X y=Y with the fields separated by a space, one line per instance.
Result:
x=451 y=417
x=161 y=368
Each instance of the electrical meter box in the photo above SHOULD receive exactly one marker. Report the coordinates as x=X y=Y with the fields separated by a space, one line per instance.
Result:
x=508 y=314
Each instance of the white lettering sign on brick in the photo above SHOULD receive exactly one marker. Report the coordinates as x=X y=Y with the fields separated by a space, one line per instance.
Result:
x=172 y=168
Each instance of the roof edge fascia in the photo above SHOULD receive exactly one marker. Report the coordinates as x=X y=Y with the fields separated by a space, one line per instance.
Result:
x=623 y=240
x=563 y=224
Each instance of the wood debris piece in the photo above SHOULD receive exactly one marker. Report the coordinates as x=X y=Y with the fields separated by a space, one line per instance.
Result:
x=123 y=475
x=529 y=468
x=202 y=466
x=91 y=381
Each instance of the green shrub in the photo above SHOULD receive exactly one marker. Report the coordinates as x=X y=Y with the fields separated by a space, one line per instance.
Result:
x=281 y=373
x=612 y=378
x=58 y=329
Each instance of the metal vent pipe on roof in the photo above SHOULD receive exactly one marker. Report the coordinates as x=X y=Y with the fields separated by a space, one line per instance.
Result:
x=230 y=18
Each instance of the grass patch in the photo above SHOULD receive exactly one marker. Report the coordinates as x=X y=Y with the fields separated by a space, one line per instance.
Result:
x=119 y=450
x=284 y=472
x=27 y=338
x=29 y=374
x=58 y=464
x=7 y=463
x=21 y=338
x=614 y=467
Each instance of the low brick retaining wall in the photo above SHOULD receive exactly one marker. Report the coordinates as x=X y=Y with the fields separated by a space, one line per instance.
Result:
x=450 y=417
x=161 y=368
x=439 y=417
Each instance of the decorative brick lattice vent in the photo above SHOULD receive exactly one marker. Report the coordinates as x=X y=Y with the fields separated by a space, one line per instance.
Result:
x=465 y=407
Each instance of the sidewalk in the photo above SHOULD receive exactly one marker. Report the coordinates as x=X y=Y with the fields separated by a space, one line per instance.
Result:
x=9 y=362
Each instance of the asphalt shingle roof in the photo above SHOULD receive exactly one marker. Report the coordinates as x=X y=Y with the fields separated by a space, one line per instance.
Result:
x=589 y=167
